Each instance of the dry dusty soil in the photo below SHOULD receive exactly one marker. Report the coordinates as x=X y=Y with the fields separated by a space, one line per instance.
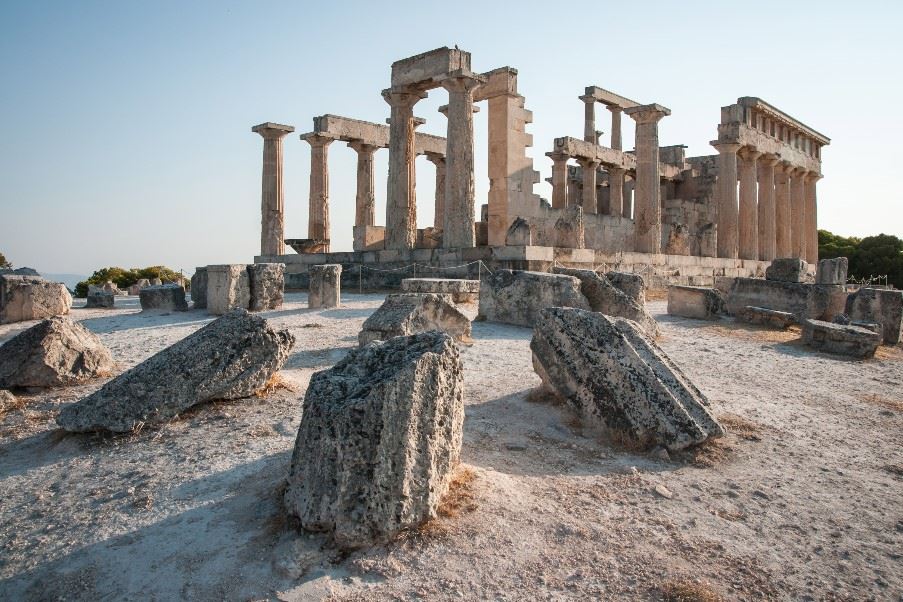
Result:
x=803 y=500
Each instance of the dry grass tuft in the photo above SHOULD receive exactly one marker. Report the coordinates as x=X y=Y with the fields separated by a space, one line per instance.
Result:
x=312 y=325
x=750 y=332
x=688 y=590
x=460 y=498
x=740 y=426
x=711 y=453
x=895 y=405
x=889 y=352
x=17 y=404
x=275 y=383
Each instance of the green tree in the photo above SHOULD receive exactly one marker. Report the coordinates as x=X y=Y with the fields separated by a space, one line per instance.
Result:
x=4 y=264
x=124 y=278
x=880 y=255
x=833 y=245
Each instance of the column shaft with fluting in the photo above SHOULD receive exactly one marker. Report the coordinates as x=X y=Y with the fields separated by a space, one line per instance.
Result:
x=439 y=209
x=559 y=180
x=782 y=210
x=797 y=214
x=588 y=197
x=811 y=218
x=589 y=118
x=272 y=194
x=365 y=199
x=726 y=191
x=748 y=216
x=647 y=196
x=458 y=230
x=616 y=127
x=616 y=191
x=401 y=197
x=767 y=214
x=318 y=206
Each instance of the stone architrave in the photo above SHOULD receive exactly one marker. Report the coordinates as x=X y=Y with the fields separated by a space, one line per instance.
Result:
x=365 y=199
x=648 y=209
x=782 y=212
x=272 y=197
x=228 y=287
x=401 y=198
x=318 y=208
x=439 y=208
x=588 y=199
x=559 y=179
x=727 y=205
x=767 y=211
x=325 y=288
x=748 y=217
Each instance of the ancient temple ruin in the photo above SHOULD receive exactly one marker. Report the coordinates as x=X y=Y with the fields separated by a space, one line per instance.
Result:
x=650 y=209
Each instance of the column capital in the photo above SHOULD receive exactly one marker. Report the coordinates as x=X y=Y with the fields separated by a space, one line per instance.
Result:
x=615 y=171
x=813 y=176
x=588 y=99
x=444 y=109
x=726 y=148
x=587 y=163
x=616 y=108
x=747 y=153
x=403 y=97
x=462 y=80
x=317 y=139
x=785 y=167
x=435 y=158
x=648 y=113
x=273 y=130
x=362 y=147
x=769 y=160
x=557 y=156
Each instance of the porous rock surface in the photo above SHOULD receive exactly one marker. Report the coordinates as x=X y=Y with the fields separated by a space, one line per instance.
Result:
x=616 y=378
x=228 y=288
x=517 y=297
x=7 y=401
x=786 y=269
x=411 y=313
x=267 y=282
x=230 y=358
x=100 y=299
x=31 y=298
x=762 y=316
x=605 y=298
x=163 y=297
x=380 y=435
x=883 y=306
x=325 y=289
x=832 y=271
x=695 y=302
x=199 y=288
x=631 y=285
x=52 y=353
x=841 y=339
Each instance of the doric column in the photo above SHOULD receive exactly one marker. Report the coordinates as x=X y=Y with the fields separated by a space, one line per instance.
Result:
x=272 y=194
x=318 y=207
x=588 y=198
x=559 y=179
x=365 y=200
x=458 y=230
x=782 y=210
x=401 y=198
x=439 y=213
x=767 y=214
x=748 y=217
x=648 y=209
x=797 y=213
x=616 y=191
x=726 y=191
x=615 y=127
x=811 y=217
x=589 y=118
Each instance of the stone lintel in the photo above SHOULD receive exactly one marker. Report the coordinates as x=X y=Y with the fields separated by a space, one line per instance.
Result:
x=609 y=99
x=581 y=149
x=739 y=133
x=758 y=104
x=373 y=134
x=424 y=70
x=270 y=127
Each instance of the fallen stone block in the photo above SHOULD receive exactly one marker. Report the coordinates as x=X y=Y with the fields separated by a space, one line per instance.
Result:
x=412 y=313
x=884 y=306
x=380 y=435
x=832 y=271
x=840 y=339
x=165 y=297
x=631 y=285
x=199 y=288
x=232 y=357
x=695 y=302
x=787 y=269
x=31 y=298
x=802 y=300
x=325 y=286
x=517 y=297
x=228 y=288
x=53 y=353
x=100 y=299
x=461 y=291
x=766 y=317
x=267 y=282
x=616 y=378
x=604 y=298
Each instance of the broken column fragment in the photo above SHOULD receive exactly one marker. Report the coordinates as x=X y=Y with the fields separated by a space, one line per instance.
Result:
x=228 y=288
x=267 y=285
x=517 y=297
x=325 y=289
x=412 y=313
x=605 y=298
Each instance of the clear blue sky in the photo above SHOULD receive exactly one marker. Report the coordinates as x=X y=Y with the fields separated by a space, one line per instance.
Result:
x=126 y=125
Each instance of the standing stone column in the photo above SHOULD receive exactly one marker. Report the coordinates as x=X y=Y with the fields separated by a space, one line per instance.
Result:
x=727 y=219
x=767 y=213
x=439 y=213
x=459 y=179
x=748 y=218
x=401 y=198
x=559 y=179
x=272 y=195
x=588 y=197
x=616 y=191
x=797 y=213
x=318 y=208
x=365 y=200
x=782 y=210
x=648 y=209
x=811 y=217
x=589 y=118
x=615 y=127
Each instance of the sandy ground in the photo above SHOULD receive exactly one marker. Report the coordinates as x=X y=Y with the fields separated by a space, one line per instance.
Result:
x=802 y=501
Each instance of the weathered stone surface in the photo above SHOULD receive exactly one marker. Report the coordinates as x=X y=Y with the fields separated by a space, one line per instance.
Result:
x=462 y=291
x=31 y=298
x=228 y=288
x=617 y=378
x=884 y=306
x=230 y=358
x=695 y=302
x=766 y=317
x=519 y=234
x=100 y=299
x=267 y=282
x=604 y=298
x=802 y=300
x=325 y=286
x=166 y=297
x=517 y=297
x=54 y=352
x=199 y=288
x=840 y=339
x=380 y=435
x=786 y=269
x=832 y=271
x=7 y=401
x=411 y=313
x=631 y=285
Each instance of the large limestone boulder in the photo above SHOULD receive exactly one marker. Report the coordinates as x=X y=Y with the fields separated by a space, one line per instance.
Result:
x=165 y=297
x=199 y=288
x=851 y=340
x=604 y=298
x=55 y=352
x=230 y=358
x=616 y=378
x=267 y=283
x=380 y=435
x=325 y=289
x=786 y=269
x=884 y=306
x=228 y=288
x=517 y=297
x=631 y=285
x=100 y=299
x=31 y=298
x=411 y=313
x=832 y=271
x=762 y=316
x=695 y=302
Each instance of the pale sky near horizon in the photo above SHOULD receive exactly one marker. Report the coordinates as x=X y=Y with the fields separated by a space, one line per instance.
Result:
x=127 y=125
